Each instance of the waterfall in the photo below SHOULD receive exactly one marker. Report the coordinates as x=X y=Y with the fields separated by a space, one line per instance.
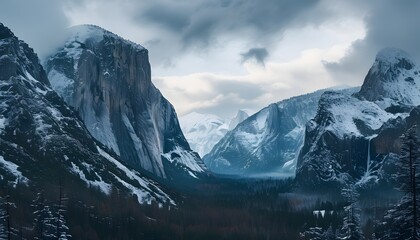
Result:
x=368 y=157
x=367 y=176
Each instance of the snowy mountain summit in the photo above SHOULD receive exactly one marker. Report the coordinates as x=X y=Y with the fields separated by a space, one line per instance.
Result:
x=355 y=137
x=107 y=79
x=392 y=80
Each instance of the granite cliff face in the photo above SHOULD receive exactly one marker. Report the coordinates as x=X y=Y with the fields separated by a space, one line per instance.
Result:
x=355 y=137
x=42 y=140
x=266 y=142
x=108 y=81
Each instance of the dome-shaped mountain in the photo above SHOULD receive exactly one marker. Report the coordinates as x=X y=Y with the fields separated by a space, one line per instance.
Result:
x=266 y=142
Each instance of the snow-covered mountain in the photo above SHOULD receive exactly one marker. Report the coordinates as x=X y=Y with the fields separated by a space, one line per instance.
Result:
x=43 y=141
x=203 y=131
x=268 y=141
x=107 y=79
x=356 y=137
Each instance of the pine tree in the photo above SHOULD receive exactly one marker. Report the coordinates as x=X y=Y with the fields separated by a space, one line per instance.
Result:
x=317 y=233
x=60 y=221
x=6 y=206
x=44 y=222
x=330 y=234
x=402 y=220
x=3 y=220
x=313 y=233
x=351 y=224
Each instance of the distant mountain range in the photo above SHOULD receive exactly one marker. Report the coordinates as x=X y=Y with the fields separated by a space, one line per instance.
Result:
x=203 y=131
x=332 y=136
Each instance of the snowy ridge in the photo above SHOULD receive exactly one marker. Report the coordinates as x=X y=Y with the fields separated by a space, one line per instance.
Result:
x=143 y=196
x=185 y=159
x=342 y=123
x=103 y=186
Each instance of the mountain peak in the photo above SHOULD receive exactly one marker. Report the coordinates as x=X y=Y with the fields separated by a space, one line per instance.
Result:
x=18 y=59
x=241 y=115
x=85 y=32
x=5 y=32
x=392 y=55
x=389 y=57
x=392 y=80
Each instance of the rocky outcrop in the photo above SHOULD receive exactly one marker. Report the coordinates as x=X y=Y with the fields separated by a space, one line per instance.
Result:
x=108 y=81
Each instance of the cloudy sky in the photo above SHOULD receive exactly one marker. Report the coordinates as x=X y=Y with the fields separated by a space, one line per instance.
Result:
x=219 y=56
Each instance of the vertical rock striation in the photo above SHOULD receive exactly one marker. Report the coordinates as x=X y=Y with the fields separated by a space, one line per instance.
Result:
x=107 y=79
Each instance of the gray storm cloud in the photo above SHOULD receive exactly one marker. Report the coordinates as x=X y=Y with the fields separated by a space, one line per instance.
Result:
x=201 y=22
x=257 y=54
x=388 y=24
x=177 y=33
x=40 y=23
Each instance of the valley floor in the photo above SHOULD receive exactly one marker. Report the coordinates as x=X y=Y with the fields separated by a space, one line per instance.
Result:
x=220 y=208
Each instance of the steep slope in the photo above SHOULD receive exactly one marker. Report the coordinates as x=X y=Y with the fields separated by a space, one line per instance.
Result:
x=355 y=138
x=42 y=140
x=267 y=141
x=108 y=81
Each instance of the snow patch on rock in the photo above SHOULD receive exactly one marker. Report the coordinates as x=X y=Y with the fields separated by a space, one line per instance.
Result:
x=103 y=186
x=13 y=169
